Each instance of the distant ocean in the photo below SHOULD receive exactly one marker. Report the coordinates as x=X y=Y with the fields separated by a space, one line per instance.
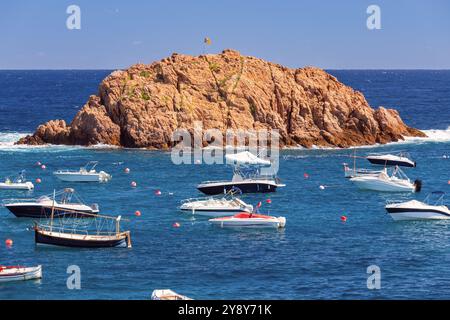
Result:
x=317 y=256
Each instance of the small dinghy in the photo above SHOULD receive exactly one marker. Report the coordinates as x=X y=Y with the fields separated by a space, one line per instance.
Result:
x=18 y=273
x=250 y=220
x=85 y=174
x=432 y=208
x=167 y=294
x=18 y=183
x=391 y=160
x=216 y=207
x=397 y=182
x=67 y=202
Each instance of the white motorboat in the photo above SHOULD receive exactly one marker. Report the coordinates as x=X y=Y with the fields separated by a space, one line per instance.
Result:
x=250 y=220
x=246 y=176
x=227 y=205
x=18 y=183
x=397 y=182
x=167 y=294
x=85 y=174
x=358 y=172
x=216 y=207
x=67 y=203
x=391 y=160
x=417 y=210
x=18 y=273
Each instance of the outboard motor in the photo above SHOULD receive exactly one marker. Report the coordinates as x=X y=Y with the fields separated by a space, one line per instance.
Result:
x=95 y=207
x=418 y=185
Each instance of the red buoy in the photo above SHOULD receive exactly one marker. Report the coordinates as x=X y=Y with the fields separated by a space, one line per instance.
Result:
x=38 y=180
x=38 y=163
x=176 y=225
x=158 y=192
x=137 y=213
x=43 y=167
x=8 y=242
x=268 y=201
x=127 y=170
x=343 y=218
x=133 y=184
x=305 y=175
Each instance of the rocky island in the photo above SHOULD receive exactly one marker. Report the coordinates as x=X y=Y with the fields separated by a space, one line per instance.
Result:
x=140 y=107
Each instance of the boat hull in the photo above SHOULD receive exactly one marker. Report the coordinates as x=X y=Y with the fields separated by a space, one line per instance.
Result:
x=402 y=214
x=243 y=220
x=213 y=212
x=21 y=274
x=382 y=186
x=250 y=187
x=78 y=177
x=36 y=211
x=54 y=239
x=16 y=186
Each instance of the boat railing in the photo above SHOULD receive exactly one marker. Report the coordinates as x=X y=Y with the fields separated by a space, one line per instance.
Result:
x=74 y=231
x=394 y=201
x=26 y=200
x=197 y=199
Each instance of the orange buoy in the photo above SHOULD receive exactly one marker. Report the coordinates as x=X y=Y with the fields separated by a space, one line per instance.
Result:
x=176 y=225
x=133 y=184
x=158 y=192
x=43 y=167
x=8 y=242
x=38 y=180
x=127 y=170
x=137 y=213
x=343 y=218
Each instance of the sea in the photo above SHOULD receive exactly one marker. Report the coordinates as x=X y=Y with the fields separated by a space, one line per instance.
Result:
x=319 y=255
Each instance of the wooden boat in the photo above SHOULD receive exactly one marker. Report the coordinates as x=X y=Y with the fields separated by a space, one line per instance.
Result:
x=79 y=232
x=167 y=294
x=19 y=273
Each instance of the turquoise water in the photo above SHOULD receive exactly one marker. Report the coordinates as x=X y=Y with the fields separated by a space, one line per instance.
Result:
x=315 y=256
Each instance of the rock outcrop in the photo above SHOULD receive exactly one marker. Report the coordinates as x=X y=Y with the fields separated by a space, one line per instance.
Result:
x=140 y=107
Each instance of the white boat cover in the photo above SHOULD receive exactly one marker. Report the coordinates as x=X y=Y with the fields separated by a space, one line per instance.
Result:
x=245 y=158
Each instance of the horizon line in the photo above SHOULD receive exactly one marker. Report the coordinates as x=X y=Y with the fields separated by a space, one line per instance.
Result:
x=331 y=69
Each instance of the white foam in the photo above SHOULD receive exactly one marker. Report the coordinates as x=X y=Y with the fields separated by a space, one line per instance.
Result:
x=433 y=135
x=8 y=140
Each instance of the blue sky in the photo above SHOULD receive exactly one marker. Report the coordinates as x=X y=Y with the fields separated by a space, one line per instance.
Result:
x=415 y=34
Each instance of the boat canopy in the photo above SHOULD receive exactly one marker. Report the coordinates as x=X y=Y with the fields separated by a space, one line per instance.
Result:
x=246 y=158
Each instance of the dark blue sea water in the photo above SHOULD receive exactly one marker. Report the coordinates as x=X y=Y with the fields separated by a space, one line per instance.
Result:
x=317 y=256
